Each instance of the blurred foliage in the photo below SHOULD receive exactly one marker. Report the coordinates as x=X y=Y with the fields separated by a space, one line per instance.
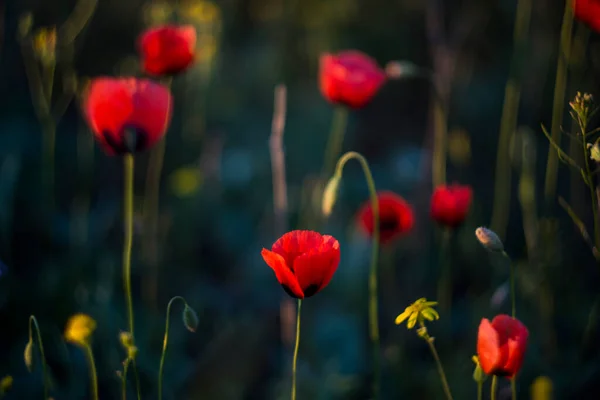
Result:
x=216 y=205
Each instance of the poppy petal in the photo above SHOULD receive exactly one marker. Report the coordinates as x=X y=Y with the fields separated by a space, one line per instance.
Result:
x=315 y=268
x=283 y=273
x=513 y=342
x=488 y=347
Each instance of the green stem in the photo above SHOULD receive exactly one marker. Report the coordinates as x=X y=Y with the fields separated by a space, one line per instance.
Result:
x=591 y=186
x=560 y=86
x=373 y=311
x=479 y=390
x=124 y=380
x=508 y=122
x=295 y=359
x=33 y=323
x=494 y=388
x=128 y=241
x=165 y=343
x=335 y=141
x=93 y=374
x=513 y=295
x=513 y=388
x=445 y=277
x=438 y=363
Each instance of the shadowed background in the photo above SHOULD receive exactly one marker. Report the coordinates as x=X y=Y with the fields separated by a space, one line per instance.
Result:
x=216 y=207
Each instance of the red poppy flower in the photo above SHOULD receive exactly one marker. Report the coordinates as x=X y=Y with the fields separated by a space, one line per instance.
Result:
x=127 y=114
x=588 y=12
x=303 y=261
x=501 y=345
x=450 y=204
x=167 y=50
x=350 y=78
x=395 y=216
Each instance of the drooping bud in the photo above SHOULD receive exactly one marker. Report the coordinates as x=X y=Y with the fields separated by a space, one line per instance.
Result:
x=478 y=375
x=190 y=319
x=28 y=355
x=330 y=195
x=489 y=239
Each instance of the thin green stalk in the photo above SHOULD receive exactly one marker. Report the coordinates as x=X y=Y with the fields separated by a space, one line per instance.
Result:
x=494 y=388
x=560 y=86
x=513 y=388
x=93 y=374
x=124 y=379
x=33 y=323
x=438 y=362
x=165 y=343
x=508 y=122
x=590 y=185
x=295 y=360
x=128 y=240
x=479 y=390
x=445 y=276
x=373 y=300
x=127 y=247
x=335 y=141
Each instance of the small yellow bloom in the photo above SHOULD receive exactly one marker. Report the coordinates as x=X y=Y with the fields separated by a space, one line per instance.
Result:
x=5 y=384
x=185 y=181
x=541 y=388
x=79 y=329
x=419 y=311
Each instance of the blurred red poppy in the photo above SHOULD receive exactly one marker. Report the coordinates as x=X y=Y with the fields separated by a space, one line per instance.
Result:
x=588 y=12
x=450 y=204
x=168 y=49
x=350 y=78
x=127 y=114
x=303 y=261
x=501 y=345
x=396 y=217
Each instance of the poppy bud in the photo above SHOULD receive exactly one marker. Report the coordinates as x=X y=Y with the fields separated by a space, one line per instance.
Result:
x=330 y=195
x=489 y=239
x=28 y=355
x=190 y=318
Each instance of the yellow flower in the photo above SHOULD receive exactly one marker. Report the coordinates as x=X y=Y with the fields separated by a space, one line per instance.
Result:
x=79 y=329
x=419 y=311
x=5 y=384
x=541 y=388
x=185 y=181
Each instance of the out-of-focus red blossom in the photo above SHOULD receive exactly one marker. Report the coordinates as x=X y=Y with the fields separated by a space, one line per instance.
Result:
x=588 y=12
x=450 y=204
x=350 y=78
x=501 y=345
x=396 y=216
x=303 y=261
x=127 y=114
x=168 y=49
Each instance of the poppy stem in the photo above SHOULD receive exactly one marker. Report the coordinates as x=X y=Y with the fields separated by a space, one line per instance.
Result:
x=127 y=246
x=438 y=361
x=165 y=343
x=34 y=324
x=513 y=388
x=93 y=374
x=295 y=360
x=124 y=379
x=373 y=301
x=335 y=141
x=494 y=388
x=560 y=87
x=479 y=390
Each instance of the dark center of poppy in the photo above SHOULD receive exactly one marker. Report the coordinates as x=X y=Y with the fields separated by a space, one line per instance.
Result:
x=129 y=140
x=389 y=224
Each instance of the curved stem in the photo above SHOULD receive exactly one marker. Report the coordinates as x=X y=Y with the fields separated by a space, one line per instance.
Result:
x=33 y=323
x=165 y=342
x=438 y=364
x=93 y=375
x=295 y=360
x=494 y=388
x=335 y=141
x=373 y=311
x=479 y=390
